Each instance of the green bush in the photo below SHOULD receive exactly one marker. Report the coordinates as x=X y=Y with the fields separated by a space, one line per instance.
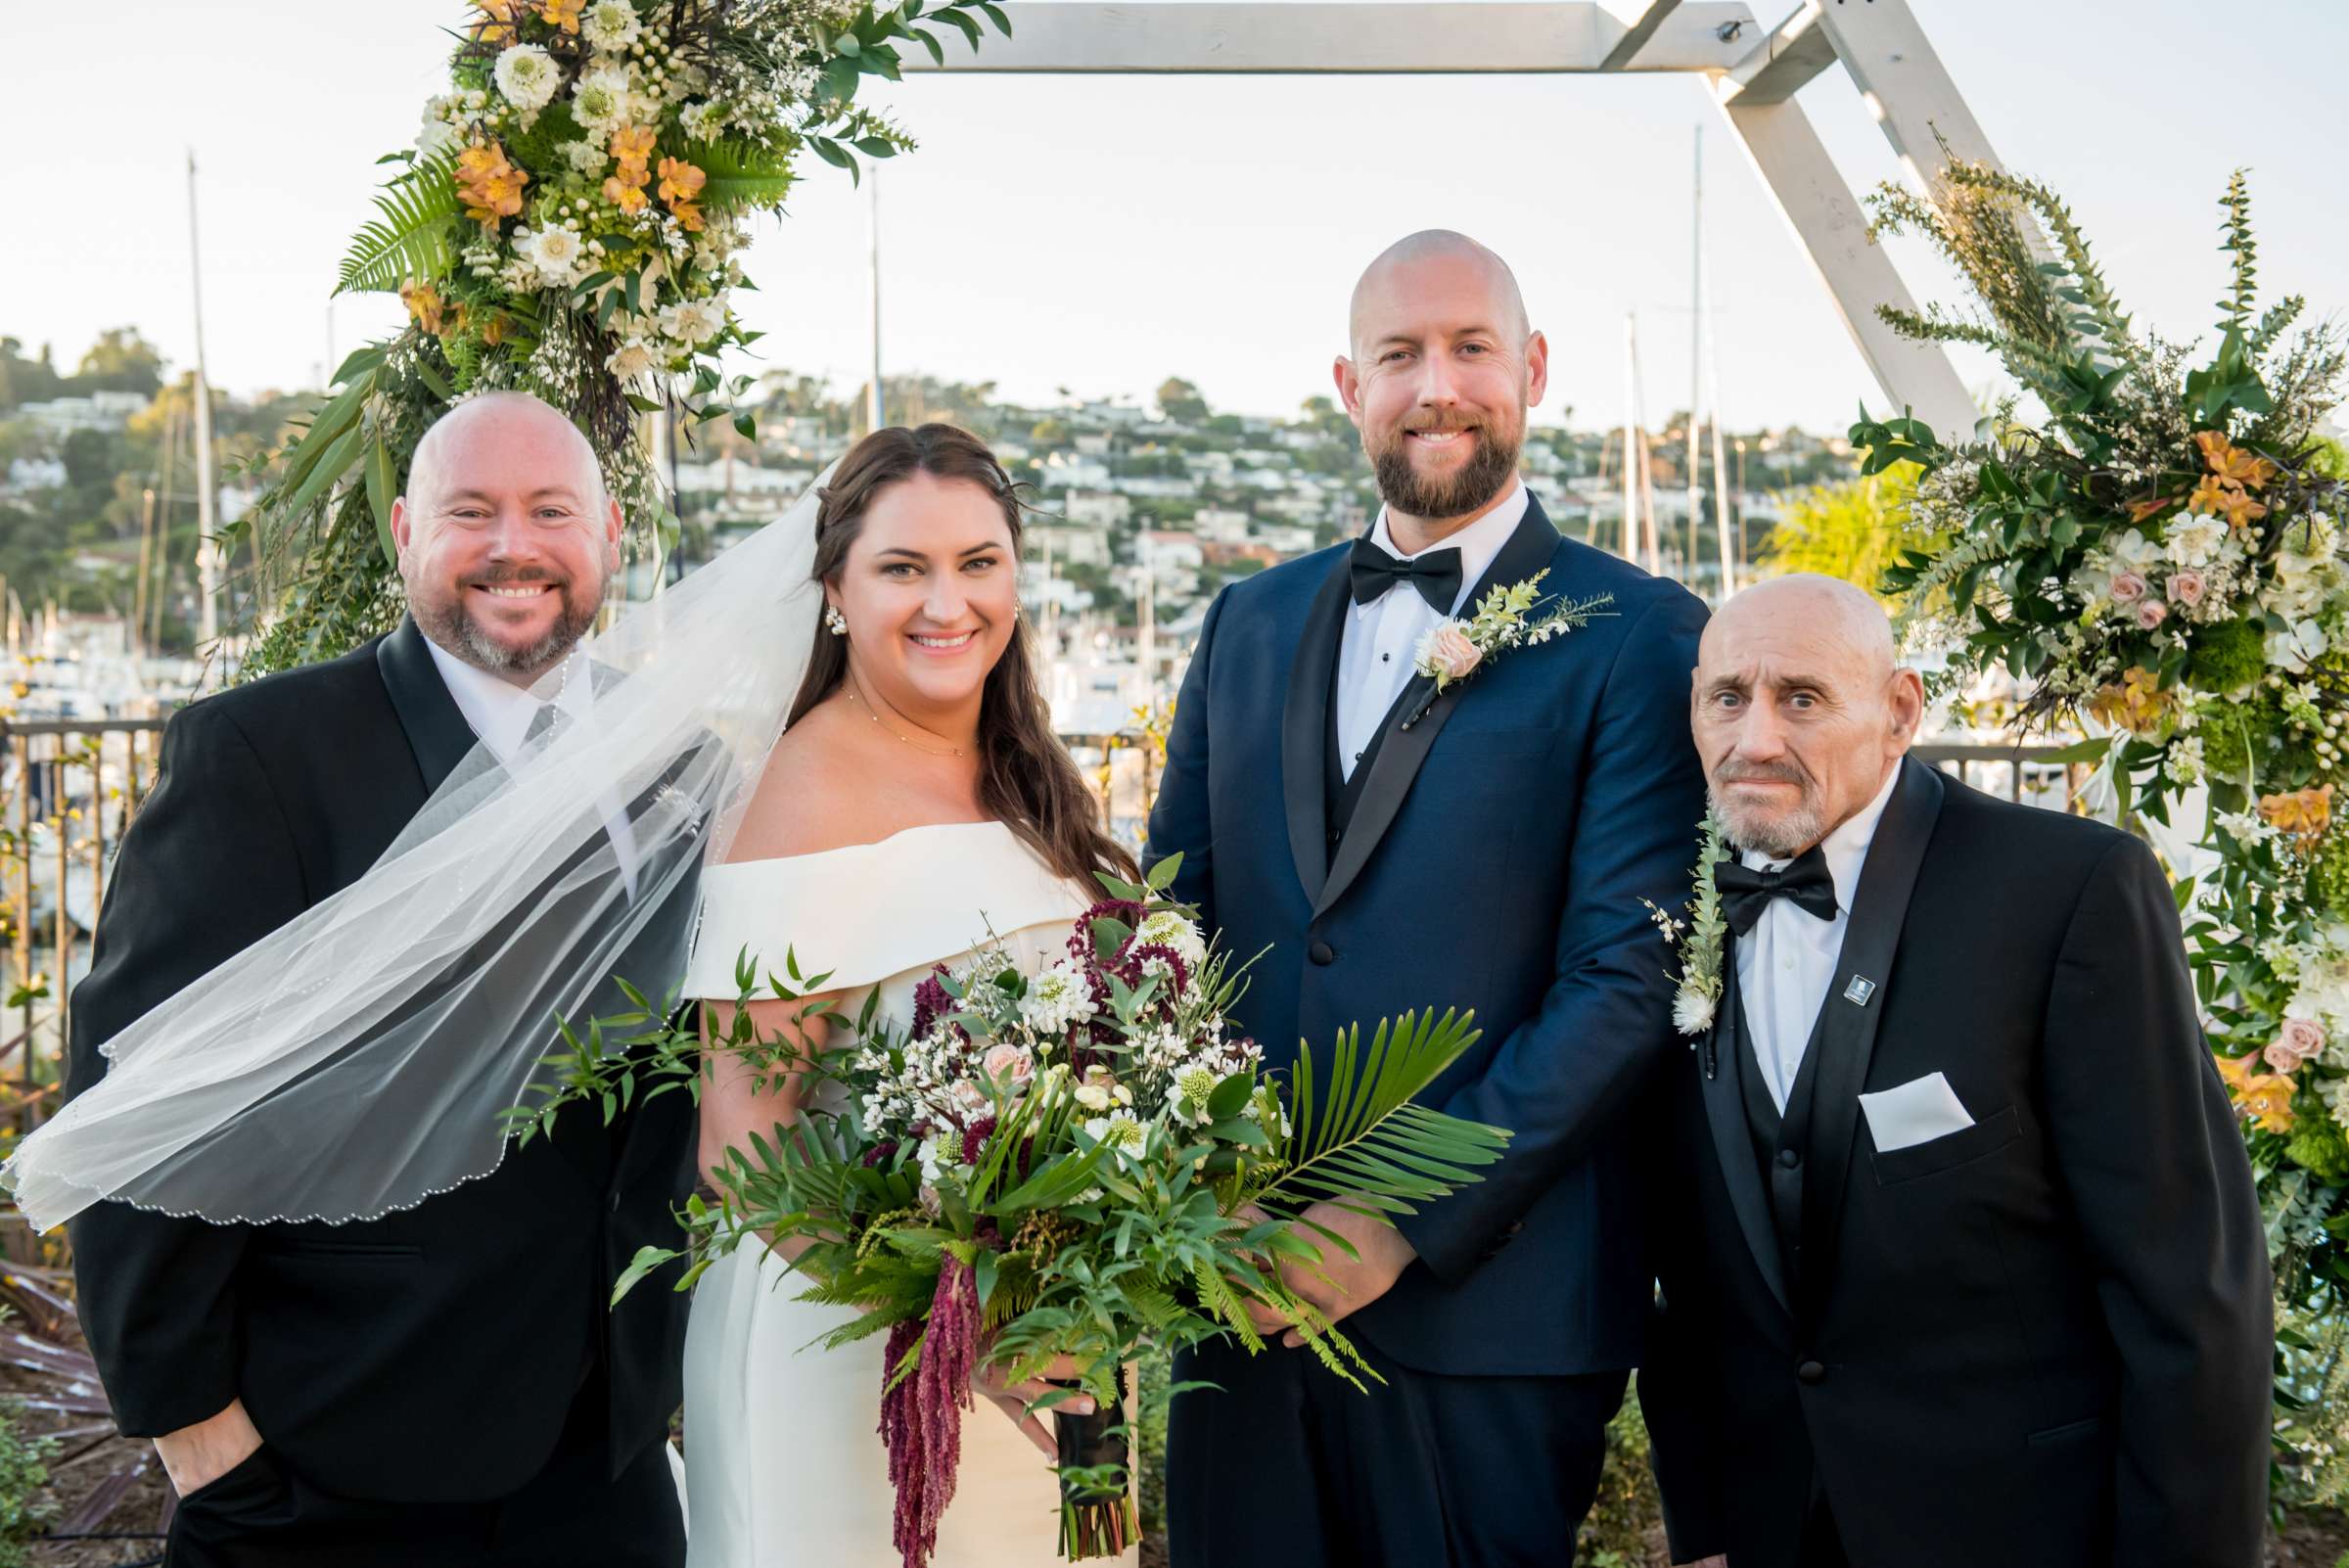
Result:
x=1615 y=1536
x=25 y=1508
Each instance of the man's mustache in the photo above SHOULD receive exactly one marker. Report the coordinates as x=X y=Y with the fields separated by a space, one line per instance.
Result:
x=1760 y=773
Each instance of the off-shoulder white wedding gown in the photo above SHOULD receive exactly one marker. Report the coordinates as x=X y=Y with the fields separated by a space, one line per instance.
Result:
x=783 y=1457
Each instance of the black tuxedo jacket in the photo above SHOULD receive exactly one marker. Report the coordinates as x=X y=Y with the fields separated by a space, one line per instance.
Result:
x=434 y=1354
x=2041 y=1341
x=1493 y=856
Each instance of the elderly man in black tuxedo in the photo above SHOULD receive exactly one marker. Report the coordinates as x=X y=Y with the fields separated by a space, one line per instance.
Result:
x=1959 y=1257
x=441 y=1385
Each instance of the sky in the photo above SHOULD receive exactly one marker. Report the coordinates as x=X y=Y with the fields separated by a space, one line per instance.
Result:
x=1099 y=234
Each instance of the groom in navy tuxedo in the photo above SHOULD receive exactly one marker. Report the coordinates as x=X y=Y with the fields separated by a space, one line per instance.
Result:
x=1388 y=847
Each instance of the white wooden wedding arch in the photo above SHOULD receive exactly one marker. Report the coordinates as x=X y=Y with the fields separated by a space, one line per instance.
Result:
x=1751 y=70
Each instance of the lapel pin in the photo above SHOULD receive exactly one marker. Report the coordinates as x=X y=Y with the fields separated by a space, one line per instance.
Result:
x=1858 y=991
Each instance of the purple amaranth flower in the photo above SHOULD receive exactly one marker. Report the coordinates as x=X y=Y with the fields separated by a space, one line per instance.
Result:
x=881 y=1153
x=921 y=1416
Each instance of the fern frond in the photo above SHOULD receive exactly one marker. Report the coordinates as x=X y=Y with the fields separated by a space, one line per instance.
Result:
x=1224 y=1304
x=2234 y=311
x=410 y=237
x=742 y=173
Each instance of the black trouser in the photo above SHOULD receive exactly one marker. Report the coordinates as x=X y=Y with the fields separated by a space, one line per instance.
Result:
x=573 y=1513
x=1285 y=1465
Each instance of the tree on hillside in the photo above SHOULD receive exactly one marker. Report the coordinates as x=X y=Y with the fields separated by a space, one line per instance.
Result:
x=120 y=360
x=25 y=380
x=1853 y=531
x=1181 y=401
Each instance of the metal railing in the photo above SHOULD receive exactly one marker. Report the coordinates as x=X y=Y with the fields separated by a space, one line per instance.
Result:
x=77 y=784
x=2028 y=775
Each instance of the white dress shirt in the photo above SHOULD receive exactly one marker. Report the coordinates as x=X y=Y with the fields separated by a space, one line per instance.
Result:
x=1378 y=639
x=500 y=714
x=1786 y=964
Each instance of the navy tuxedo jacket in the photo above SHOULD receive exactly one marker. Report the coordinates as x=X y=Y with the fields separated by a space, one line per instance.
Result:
x=1495 y=860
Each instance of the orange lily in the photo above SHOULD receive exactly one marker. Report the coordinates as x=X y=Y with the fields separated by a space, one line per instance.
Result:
x=2265 y=1097
x=2303 y=813
x=2138 y=703
x=424 y=304
x=563 y=13
x=2232 y=463
x=490 y=186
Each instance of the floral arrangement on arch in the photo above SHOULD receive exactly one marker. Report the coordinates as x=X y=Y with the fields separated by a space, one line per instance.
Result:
x=568 y=222
x=2158 y=564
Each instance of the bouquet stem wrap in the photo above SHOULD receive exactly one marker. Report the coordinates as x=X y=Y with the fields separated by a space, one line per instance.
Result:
x=1096 y=1516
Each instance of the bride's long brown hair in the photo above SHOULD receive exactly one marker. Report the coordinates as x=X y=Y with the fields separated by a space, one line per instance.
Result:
x=1026 y=780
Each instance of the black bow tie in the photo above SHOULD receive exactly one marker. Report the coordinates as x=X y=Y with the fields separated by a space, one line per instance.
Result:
x=1435 y=575
x=1745 y=892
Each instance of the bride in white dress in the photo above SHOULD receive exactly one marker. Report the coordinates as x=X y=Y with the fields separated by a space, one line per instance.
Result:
x=916 y=802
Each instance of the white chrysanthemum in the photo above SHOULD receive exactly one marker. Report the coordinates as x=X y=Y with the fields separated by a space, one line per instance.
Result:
x=610 y=24
x=603 y=101
x=1168 y=929
x=528 y=75
x=1692 y=1011
x=1057 y=999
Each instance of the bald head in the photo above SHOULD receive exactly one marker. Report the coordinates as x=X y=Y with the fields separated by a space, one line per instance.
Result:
x=1799 y=711
x=1440 y=258
x=488 y=418
x=1835 y=619
x=506 y=537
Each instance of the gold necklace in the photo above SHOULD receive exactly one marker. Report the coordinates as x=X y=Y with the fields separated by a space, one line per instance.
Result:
x=857 y=697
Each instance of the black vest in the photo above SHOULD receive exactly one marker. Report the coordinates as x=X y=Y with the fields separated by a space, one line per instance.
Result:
x=1340 y=790
x=1781 y=1140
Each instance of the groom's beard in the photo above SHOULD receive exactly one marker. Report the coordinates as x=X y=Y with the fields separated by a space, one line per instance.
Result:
x=453 y=628
x=1488 y=471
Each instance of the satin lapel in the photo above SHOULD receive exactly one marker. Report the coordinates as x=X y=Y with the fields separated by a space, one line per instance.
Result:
x=1848 y=1033
x=1305 y=725
x=1404 y=747
x=435 y=727
x=1724 y=1112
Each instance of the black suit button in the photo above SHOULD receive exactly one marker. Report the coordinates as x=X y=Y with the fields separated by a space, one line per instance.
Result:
x=1321 y=953
x=1790 y=1158
x=1811 y=1372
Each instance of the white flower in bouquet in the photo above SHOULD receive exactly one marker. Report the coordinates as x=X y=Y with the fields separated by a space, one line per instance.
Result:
x=1192 y=1087
x=558 y=253
x=1058 y=1000
x=1101 y=1089
x=631 y=361
x=2297 y=647
x=1168 y=928
x=692 y=321
x=702 y=121
x=2134 y=551
x=1120 y=1131
x=603 y=101
x=437 y=136
x=527 y=76
x=587 y=156
x=610 y=24
x=2195 y=539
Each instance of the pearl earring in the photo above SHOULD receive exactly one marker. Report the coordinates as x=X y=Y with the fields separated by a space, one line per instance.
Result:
x=834 y=621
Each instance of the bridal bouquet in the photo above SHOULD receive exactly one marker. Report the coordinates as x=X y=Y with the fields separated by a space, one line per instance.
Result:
x=1079 y=1162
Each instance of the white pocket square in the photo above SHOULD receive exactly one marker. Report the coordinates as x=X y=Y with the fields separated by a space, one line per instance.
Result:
x=1916 y=1112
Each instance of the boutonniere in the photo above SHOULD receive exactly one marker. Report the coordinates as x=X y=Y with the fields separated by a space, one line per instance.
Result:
x=1696 y=942
x=1506 y=618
